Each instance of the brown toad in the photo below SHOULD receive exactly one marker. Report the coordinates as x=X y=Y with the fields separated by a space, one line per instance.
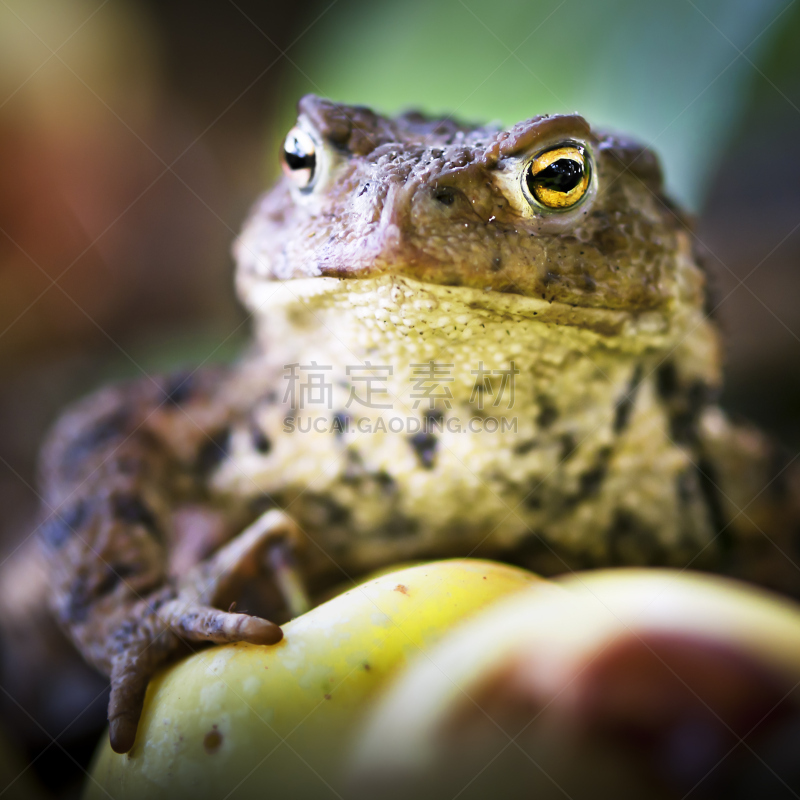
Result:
x=468 y=340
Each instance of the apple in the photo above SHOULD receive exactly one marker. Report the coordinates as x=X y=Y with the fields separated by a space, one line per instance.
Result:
x=609 y=684
x=277 y=721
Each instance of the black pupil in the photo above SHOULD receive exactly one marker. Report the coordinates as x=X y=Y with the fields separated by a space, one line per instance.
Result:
x=297 y=158
x=561 y=176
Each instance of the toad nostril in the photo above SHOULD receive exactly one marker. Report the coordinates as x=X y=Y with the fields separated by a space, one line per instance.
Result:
x=445 y=195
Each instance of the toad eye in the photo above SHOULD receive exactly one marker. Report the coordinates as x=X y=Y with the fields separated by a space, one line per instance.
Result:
x=558 y=178
x=299 y=158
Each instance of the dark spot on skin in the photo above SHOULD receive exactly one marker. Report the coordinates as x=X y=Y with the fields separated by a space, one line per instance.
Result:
x=592 y=479
x=624 y=407
x=341 y=422
x=354 y=466
x=530 y=548
x=666 y=381
x=399 y=527
x=699 y=395
x=261 y=442
x=327 y=696
x=523 y=448
x=536 y=552
x=154 y=605
x=84 y=592
x=385 y=481
x=107 y=584
x=550 y=277
x=213 y=451
x=338 y=514
x=682 y=427
x=433 y=419
x=610 y=241
x=264 y=502
x=334 y=513
x=212 y=741
x=78 y=603
x=401 y=588
x=131 y=464
x=132 y=509
x=101 y=433
x=60 y=525
x=633 y=542
x=568 y=446
x=82 y=595
x=444 y=195
x=686 y=410
x=685 y=487
x=366 y=666
x=425 y=445
x=123 y=635
x=702 y=257
x=482 y=413
x=179 y=388
x=548 y=413
x=125 y=571
x=533 y=501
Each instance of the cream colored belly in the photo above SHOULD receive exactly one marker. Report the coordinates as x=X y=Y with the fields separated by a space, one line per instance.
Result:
x=373 y=486
x=562 y=477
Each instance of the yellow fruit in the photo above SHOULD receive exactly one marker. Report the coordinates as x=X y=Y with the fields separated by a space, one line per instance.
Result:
x=274 y=722
x=617 y=683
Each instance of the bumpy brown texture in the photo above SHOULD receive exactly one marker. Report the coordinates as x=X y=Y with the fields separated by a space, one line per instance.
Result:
x=417 y=245
x=441 y=203
x=118 y=471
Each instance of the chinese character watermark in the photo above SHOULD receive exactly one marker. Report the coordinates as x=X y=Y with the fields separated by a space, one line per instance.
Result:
x=314 y=391
x=484 y=385
x=431 y=373
x=368 y=378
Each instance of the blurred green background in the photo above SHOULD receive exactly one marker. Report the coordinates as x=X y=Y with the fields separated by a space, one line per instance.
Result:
x=671 y=73
x=134 y=136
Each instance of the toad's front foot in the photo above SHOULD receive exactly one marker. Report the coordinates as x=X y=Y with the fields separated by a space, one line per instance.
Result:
x=158 y=624
x=151 y=641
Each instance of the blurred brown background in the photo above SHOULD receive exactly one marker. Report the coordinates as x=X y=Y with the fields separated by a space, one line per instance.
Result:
x=134 y=136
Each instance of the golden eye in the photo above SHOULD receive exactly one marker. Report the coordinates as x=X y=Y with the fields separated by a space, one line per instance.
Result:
x=558 y=178
x=299 y=159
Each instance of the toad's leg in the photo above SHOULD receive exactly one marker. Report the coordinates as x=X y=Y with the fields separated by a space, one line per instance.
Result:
x=189 y=615
x=114 y=471
x=755 y=488
x=273 y=538
x=153 y=634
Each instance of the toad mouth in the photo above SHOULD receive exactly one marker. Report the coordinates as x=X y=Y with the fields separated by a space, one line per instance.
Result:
x=390 y=295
